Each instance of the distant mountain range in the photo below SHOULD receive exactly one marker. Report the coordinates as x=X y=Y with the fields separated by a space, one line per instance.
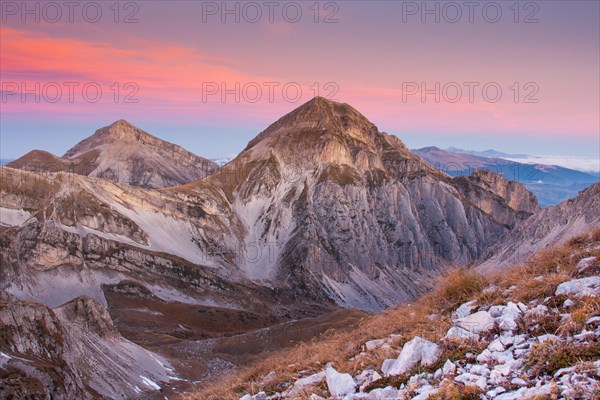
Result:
x=485 y=153
x=550 y=183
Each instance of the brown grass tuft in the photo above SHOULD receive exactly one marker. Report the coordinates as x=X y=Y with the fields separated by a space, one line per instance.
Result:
x=550 y=356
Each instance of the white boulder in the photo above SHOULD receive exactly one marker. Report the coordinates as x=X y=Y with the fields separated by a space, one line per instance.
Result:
x=303 y=383
x=382 y=394
x=464 y=310
x=449 y=368
x=585 y=263
x=459 y=333
x=339 y=384
x=415 y=351
x=496 y=345
x=507 y=321
x=480 y=322
x=589 y=286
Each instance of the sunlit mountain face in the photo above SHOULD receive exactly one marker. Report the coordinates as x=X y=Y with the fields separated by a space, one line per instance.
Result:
x=299 y=200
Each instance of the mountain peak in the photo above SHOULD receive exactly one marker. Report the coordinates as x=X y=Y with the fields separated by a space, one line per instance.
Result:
x=318 y=117
x=127 y=154
x=122 y=124
x=122 y=130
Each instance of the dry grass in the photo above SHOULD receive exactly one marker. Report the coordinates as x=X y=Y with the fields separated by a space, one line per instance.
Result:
x=456 y=287
x=452 y=391
x=550 y=356
x=344 y=349
x=583 y=309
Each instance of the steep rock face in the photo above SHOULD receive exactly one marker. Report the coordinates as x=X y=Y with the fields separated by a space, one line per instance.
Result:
x=348 y=211
x=73 y=351
x=551 y=226
x=126 y=154
x=507 y=201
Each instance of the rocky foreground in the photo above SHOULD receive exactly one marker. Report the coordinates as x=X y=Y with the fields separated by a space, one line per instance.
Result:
x=497 y=347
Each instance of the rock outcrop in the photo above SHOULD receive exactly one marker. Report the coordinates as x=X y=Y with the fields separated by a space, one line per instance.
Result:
x=507 y=201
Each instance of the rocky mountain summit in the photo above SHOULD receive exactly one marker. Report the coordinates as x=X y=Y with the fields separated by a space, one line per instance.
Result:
x=353 y=215
x=321 y=206
x=126 y=154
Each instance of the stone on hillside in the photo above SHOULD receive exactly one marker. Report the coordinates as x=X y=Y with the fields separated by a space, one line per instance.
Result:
x=496 y=345
x=507 y=321
x=496 y=311
x=449 y=368
x=485 y=356
x=589 y=286
x=303 y=383
x=480 y=322
x=339 y=384
x=413 y=352
x=382 y=394
x=537 y=310
x=374 y=344
x=585 y=263
x=459 y=333
x=366 y=377
x=464 y=310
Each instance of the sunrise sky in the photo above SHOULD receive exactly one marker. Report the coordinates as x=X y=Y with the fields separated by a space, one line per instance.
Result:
x=178 y=54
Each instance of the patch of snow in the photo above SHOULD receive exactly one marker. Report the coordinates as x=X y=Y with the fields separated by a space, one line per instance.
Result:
x=150 y=383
